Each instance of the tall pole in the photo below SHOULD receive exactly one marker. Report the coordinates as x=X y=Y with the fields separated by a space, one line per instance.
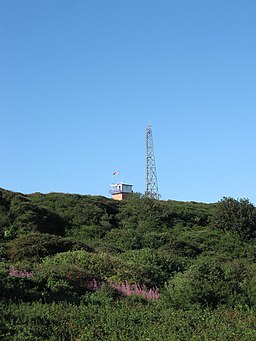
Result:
x=151 y=175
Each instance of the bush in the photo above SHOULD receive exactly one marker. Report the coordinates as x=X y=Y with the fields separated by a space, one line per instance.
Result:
x=81 y=264
x=151 y=267
x=25 y=217
x=35 y=246
x=237 y=216
x=209 y=283
x=126 y=239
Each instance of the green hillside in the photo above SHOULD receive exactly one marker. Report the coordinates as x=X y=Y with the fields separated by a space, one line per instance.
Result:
x=80 y=267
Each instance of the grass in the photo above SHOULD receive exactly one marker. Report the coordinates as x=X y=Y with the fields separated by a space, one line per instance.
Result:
x=126 y=319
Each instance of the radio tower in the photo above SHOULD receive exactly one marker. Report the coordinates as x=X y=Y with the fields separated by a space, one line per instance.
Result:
x=151 y=176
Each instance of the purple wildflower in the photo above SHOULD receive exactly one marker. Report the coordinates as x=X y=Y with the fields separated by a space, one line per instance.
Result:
x=17 y=273
x=93 y=285
x=135 y=289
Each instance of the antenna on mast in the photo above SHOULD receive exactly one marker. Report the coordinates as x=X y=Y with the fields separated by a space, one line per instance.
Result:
x=151 y=175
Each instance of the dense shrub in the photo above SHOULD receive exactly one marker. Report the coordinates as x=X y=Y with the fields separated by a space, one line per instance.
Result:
x=58 y=212
x=78 y=210
x=236 y=216
x=183 y=248
x=209 y=283
x=155 y=239
x=4 y=221
x=250 y=288
x=92 y=232
x=99 y=266
x=25 y=217
x=127 y=239
x=35 y=246
x=152 y=267
x=105 y=317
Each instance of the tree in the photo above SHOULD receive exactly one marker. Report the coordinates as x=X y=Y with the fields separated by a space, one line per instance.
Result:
x=237 y=216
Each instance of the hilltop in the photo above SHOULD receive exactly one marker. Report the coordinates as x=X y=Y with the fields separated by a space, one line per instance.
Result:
x=62 y=214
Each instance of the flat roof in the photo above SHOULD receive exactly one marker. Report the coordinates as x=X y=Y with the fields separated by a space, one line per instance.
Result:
x=121 y=183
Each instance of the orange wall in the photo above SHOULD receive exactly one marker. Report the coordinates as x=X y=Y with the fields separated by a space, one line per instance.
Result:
x=120 y=196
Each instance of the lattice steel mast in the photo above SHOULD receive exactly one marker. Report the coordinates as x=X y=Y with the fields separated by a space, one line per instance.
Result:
x=151 y=175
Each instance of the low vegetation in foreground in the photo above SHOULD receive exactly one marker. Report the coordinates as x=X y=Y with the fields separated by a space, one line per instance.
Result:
x=79 y=267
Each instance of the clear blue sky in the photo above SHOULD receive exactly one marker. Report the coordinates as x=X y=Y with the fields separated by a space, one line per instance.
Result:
x=80 y=80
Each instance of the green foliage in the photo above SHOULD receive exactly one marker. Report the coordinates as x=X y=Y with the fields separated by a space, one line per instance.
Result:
x=142 y=213
x=79 y=210
x=104 y=295
x=94 y=266
x=102 y=247
x=250 y=287
x=102 y=318
x=148 y=214
x=152 y=267
x=4 y=221
x=189 y=213
x=236 y=216
x=26 y=217
x=17 y=288
x=155 y=239
x=92 y=217
x=4 y=247
x=35 y=246
x=91 y=232
x=128 y=239
x=209 y=283
x=181 y=247
x=200 y=256
x=211 y=241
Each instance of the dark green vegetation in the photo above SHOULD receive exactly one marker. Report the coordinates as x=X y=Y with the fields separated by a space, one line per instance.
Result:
x=54 y=246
